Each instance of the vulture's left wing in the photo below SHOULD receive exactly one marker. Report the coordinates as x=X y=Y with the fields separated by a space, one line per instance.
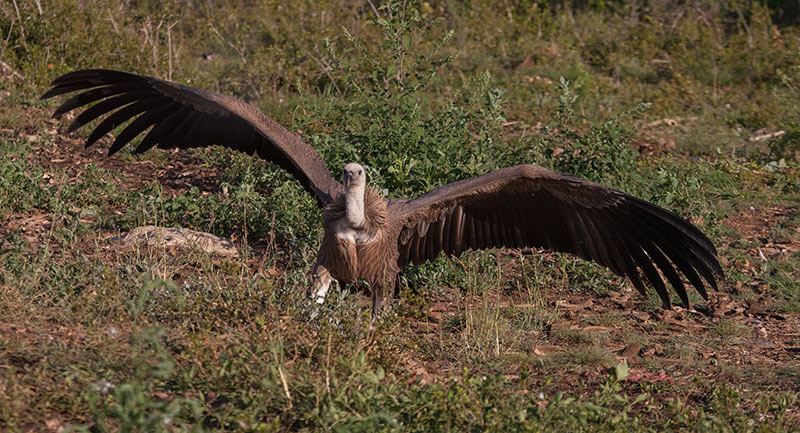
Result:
x=530 y=206
x=181 y=116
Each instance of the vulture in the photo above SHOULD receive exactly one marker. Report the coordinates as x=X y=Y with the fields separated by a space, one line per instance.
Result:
x=368 y=237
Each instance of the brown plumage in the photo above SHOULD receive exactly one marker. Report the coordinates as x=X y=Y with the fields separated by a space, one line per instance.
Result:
x=368 y=237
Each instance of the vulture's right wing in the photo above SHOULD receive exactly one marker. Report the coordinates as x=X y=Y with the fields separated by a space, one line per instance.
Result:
x=185 y=117
x=530 y=206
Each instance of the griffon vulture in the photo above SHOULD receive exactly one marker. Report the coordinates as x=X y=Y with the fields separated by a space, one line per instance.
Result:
x=369 y=237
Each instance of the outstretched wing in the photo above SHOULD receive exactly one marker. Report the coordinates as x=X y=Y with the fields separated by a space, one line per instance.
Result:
x=530 y=206
x=185 y=117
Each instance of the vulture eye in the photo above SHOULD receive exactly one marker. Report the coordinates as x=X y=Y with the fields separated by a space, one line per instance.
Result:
x=359 y=171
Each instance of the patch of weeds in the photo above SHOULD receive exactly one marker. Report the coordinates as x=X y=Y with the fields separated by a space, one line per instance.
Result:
x=788 y=145
x=569 y=336
x=473 y=272
x=783 y=282
x=680 y=351
x=789 y=372
x=727 y=329
x=455 y=322
x=142 y=403
x=628 y=336
x=530 y=317
x=393 y=128
x=486 y=333
x=786 y=229
x=584 y=275
x=604 y=319
x=22 y=181
x=599 y=155
x=584 y=355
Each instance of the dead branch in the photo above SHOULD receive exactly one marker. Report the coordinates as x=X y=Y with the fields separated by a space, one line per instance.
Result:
x=769 y=136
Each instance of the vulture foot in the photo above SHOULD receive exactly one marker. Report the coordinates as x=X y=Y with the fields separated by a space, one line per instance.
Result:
x=322 y=282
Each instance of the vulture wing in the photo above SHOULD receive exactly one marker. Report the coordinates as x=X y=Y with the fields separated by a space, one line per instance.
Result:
x=185 y=117
x=529 y=206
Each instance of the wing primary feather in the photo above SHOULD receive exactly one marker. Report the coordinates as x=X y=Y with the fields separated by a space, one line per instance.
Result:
x=455 y=232
x=642 y=238
x=604 y=247
x=700 y=258
x=89 y=96
x=631 y=269
x=118 y=118
x=472 y=235
x=616 y=244
x=430 y=240
x=694 y=256
x=229 y=117
x=445 y=220
x=551 y=216
x=177 y=137
x=489 y=228
x=667 y=269
x=645 y=264
x=94 y=76
x=173 y=114
x=84 y=83
x=68 y=88
x=502 y=214
x=197 y=133
x=416 y=257
x=477 y=223
x=671 y=249
x=700 y=266
x=675 y=221
x=133 y=129
x=101 y=108
x=587 y=240
x=572 y=231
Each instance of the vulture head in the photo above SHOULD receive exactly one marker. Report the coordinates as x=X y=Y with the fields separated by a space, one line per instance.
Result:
x=368 y=237
x=354 y=176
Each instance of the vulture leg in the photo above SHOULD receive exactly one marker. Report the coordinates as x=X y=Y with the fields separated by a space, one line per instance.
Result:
x=322 y=282
x=399 y=285
x=379 y=295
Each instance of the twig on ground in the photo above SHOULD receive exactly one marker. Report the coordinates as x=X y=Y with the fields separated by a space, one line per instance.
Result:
x=12 y=73
x=771 y=135
x=670 y=122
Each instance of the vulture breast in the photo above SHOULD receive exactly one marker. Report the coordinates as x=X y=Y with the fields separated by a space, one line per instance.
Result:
x=370 y=253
